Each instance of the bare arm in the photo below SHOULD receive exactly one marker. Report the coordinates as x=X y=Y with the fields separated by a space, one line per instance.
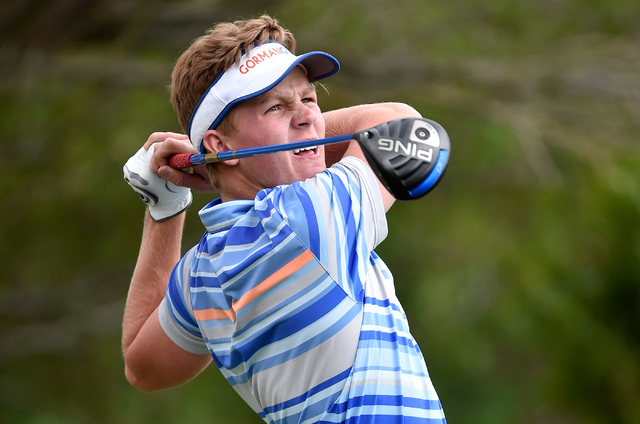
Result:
x=356 y=118
x=152 y=360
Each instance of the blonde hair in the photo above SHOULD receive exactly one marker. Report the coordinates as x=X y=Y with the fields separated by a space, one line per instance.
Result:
x=211 y=54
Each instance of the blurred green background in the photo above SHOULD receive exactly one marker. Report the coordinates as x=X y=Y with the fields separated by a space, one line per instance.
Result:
x=520 y=273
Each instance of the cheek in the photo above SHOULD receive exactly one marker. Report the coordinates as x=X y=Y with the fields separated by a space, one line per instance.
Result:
x=320 y=128
x=270 y=166
x=319 y=125
x=268 y=135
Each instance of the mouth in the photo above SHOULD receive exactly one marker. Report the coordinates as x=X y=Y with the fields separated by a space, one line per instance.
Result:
x=306 y=151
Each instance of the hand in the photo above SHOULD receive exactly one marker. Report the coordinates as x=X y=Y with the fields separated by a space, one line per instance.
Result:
x=169 y=144
x=165 y=199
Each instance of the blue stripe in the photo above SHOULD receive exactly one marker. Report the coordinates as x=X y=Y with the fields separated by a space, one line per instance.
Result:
x=386 y=400
x=310 y=410
x=390 y=419
x=237 y=254
x=348 y=196
x=240 y=235
x=312 y=229
x=175 y=297
x=386 y=337
x=301 y=398
x=212 y=245
x=385 y=303
x=343 y=211
x=229 y=274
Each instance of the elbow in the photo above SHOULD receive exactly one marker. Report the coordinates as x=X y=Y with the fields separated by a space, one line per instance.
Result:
x=139 y=384
x=139 y=374
x=142 y=384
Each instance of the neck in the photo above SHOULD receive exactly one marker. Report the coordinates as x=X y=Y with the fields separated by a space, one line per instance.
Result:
x=234 y=186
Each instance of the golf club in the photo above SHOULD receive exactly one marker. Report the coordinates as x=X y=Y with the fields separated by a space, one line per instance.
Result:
x=409 y=155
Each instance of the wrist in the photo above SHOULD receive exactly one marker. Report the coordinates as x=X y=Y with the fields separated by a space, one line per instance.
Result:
x=177 y=219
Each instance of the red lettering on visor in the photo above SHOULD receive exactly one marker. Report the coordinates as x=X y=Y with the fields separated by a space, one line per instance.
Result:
x=254 y=61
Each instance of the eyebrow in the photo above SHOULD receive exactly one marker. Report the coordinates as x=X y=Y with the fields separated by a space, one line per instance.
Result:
x=269 y=95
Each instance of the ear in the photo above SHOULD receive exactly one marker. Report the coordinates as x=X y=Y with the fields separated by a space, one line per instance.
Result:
x=215 y=142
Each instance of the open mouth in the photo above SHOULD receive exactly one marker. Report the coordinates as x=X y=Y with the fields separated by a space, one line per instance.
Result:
x=304 y=151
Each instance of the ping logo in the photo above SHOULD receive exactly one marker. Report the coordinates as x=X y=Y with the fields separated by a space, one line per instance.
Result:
x=423 y=137
x=416 y=150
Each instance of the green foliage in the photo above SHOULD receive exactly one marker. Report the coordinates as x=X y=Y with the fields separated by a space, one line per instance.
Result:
x=520 y=273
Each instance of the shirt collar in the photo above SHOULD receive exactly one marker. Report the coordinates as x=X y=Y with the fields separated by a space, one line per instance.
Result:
x=219 y=216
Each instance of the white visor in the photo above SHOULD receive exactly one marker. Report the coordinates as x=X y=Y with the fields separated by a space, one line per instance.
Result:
x=260 y=71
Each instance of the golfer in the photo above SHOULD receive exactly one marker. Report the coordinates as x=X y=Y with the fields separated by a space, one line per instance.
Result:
x=284 y=291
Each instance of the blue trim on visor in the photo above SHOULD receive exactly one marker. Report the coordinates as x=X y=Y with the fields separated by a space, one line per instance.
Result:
x=204 y=96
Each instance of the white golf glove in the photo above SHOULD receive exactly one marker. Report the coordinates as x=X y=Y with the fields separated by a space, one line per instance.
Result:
x=164 y=198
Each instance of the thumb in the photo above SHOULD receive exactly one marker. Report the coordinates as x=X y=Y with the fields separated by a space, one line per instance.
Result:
x=164 y=172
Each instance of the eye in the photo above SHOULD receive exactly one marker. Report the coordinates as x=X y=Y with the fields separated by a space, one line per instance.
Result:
x=274 y=108
x=308 y=100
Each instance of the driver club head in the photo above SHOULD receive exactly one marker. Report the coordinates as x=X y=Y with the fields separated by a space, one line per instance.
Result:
x=408 y=155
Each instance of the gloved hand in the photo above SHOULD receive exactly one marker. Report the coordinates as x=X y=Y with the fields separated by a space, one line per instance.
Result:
x=165 y=199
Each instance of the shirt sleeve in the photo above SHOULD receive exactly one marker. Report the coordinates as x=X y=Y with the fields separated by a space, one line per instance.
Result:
x=370 y=199
x=175 y=312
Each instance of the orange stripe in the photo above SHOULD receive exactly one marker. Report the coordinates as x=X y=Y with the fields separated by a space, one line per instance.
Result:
x=209 y=314
x=273 y=279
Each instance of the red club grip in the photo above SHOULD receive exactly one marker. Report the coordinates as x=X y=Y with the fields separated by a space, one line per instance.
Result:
x=180 y=161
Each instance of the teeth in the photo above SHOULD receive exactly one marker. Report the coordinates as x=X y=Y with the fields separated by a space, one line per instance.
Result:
x=296 y=151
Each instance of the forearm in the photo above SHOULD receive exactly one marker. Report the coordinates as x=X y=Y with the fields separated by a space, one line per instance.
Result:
x=356 y=118
x=159 y=252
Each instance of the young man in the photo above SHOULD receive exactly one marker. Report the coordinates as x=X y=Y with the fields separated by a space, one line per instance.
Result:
x=284 y=291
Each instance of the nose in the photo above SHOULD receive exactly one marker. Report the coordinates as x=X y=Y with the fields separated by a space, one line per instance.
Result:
x=303 y=116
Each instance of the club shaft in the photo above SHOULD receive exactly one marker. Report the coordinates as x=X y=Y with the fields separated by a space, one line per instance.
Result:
x=186 y=161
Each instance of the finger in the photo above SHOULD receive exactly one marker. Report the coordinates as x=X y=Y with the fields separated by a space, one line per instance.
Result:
x=155 y=138
x=182 y=143
x=158 y=137
x=195 y=181
x=167 y=148
x=178 y=136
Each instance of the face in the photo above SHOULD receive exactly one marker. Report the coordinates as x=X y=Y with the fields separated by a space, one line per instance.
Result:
x=287 y=113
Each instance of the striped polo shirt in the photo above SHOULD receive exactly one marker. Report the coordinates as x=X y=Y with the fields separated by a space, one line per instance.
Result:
x=297 y=310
